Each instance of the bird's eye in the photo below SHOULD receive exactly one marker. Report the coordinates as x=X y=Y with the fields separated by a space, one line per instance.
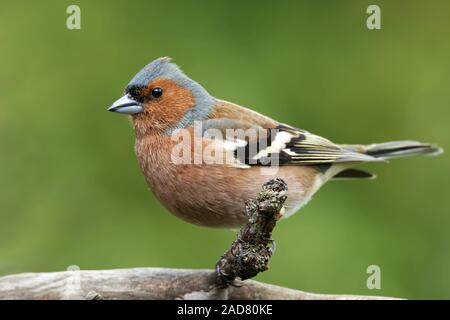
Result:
x=157 y=92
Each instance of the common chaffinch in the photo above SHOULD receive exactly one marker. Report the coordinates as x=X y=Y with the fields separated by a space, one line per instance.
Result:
x=174 y=117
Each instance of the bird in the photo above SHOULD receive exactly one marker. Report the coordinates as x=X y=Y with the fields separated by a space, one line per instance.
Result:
x=174 y=116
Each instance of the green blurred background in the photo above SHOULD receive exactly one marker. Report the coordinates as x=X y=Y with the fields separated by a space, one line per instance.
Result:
x=70 y=188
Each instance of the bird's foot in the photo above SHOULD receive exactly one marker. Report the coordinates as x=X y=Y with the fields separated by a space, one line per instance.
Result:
x=280 y=214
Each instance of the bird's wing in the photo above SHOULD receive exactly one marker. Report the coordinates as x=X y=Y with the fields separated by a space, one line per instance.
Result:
x=231 y=111
x=294 y=146
x=285 y=145
x=262 y=141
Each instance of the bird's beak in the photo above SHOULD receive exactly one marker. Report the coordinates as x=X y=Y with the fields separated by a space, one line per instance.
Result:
x=126 y=105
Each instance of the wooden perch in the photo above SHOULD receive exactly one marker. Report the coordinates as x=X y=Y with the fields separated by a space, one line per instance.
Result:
x=249 y=254
x=145 y=283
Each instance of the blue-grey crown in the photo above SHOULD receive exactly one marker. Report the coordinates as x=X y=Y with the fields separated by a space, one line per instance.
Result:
x=163 y=68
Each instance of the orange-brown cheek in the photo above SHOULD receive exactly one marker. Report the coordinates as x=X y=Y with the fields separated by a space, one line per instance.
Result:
x=165 y=112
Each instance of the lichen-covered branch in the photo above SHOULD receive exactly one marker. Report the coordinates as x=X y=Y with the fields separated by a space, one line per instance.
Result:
x=250 y=253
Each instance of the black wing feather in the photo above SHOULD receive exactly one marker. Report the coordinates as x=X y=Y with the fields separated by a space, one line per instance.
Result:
x=291 y=146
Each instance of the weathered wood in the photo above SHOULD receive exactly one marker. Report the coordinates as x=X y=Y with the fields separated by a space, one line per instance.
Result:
x=145 y=283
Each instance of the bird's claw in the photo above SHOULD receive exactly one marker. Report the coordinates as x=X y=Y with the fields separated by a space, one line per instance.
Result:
x=273 y=246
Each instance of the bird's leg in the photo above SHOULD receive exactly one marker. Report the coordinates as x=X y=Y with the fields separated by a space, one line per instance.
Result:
x=273 y=246
x=280 y=214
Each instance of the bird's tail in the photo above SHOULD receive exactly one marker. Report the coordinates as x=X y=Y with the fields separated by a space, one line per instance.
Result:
x=382 y=151
x=396 y=149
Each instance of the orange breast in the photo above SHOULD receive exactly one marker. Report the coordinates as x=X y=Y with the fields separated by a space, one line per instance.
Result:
x=213 y=195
